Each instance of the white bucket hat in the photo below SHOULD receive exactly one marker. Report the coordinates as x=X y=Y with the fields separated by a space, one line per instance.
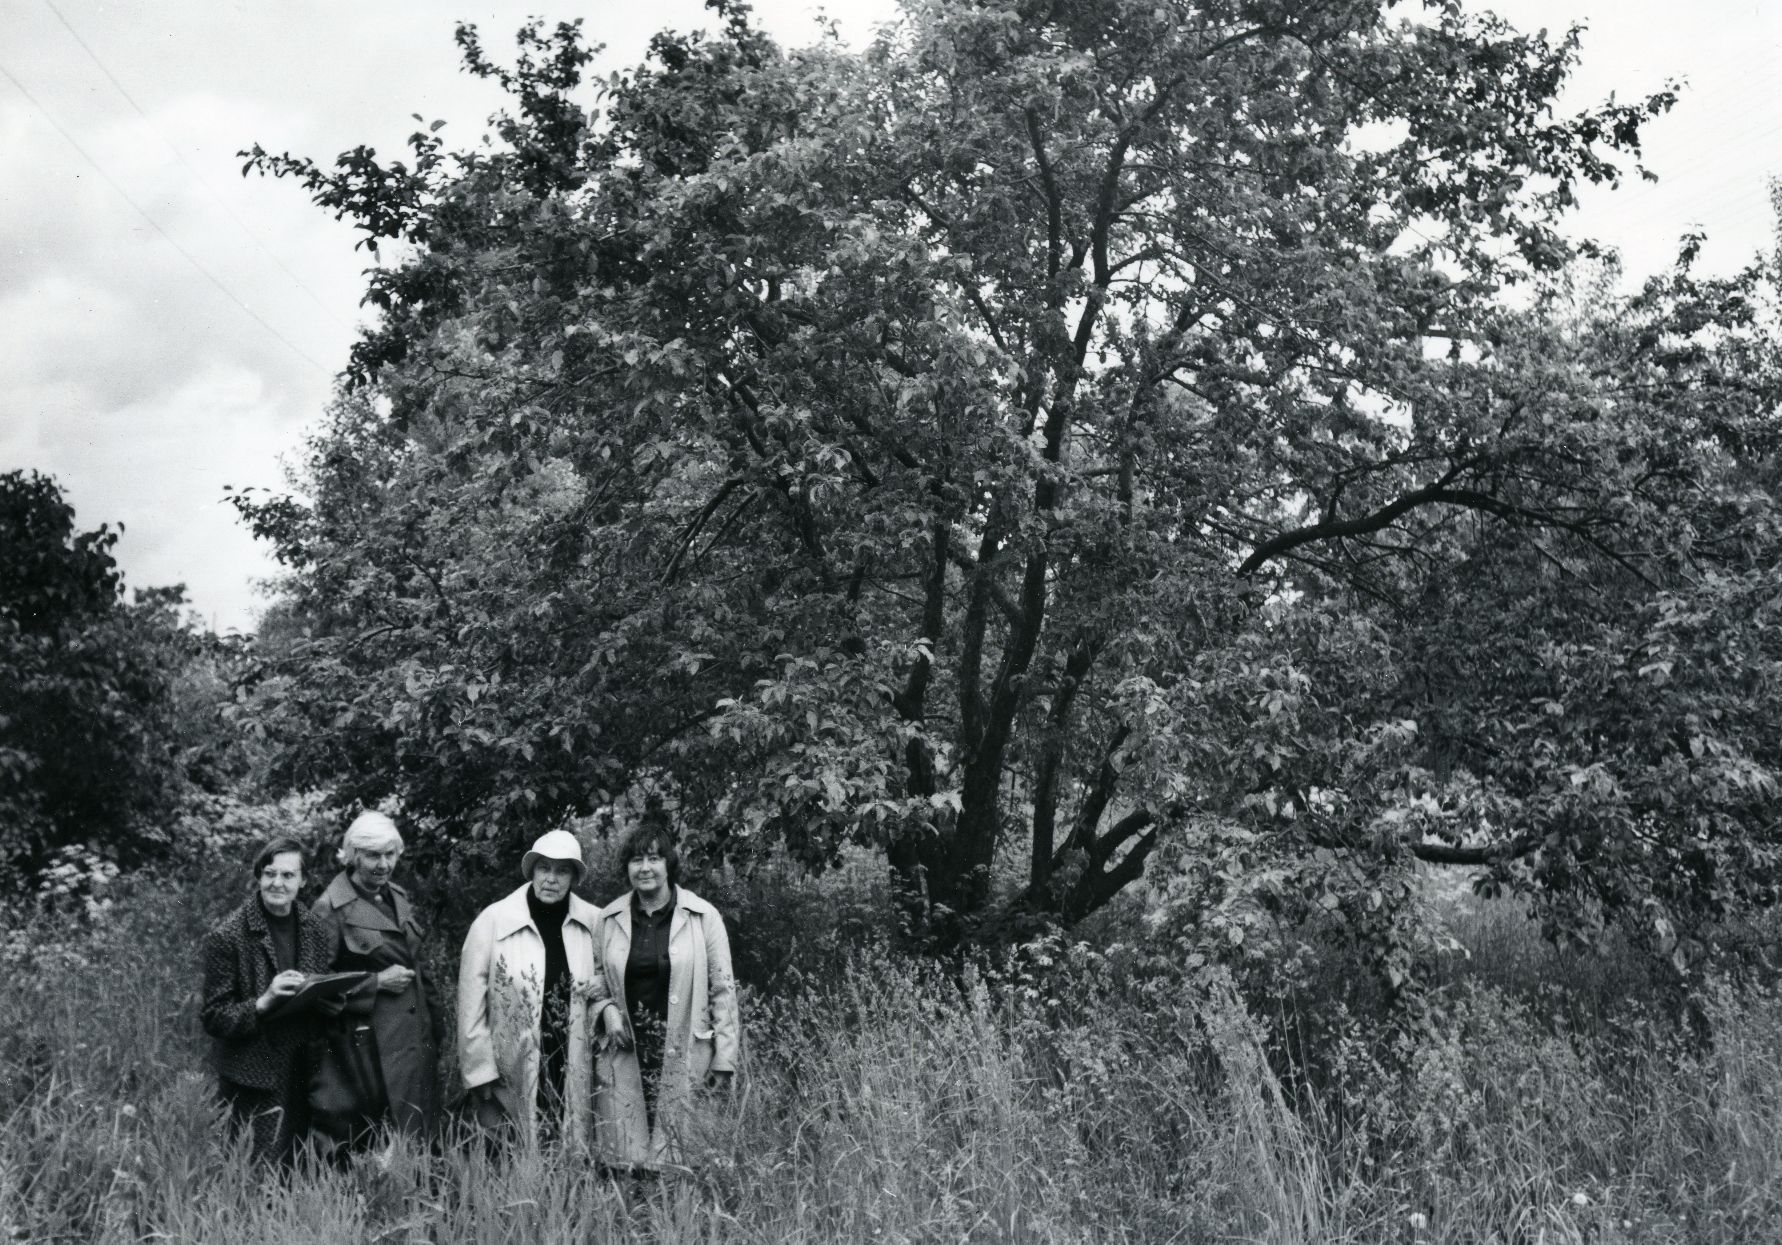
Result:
x=555 y=845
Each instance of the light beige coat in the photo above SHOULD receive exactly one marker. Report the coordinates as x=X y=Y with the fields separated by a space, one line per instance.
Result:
x=500 y=1001
x=702 y=1032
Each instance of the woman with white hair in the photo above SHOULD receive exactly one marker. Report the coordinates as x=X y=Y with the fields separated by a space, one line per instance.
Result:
x=523 y=1041
x=392 y=1020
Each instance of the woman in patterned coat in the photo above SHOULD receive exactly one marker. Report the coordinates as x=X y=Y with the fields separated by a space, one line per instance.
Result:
x=255 y=959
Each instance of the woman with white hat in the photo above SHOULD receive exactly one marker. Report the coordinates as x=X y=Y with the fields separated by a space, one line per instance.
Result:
x=523 y=1040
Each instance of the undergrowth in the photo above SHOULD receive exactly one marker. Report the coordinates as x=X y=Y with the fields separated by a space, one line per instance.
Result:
x=1068 y=1094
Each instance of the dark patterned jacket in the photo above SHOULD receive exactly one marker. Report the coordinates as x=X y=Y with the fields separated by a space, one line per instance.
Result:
x=251 y=1049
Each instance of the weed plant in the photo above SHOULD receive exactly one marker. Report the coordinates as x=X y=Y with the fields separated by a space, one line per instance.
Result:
x=1071 y=1094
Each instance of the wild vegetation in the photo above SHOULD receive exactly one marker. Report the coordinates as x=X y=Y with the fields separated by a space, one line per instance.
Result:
x=1074 y=1093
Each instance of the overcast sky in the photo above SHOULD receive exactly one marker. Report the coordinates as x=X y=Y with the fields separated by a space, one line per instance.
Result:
x=168 y=328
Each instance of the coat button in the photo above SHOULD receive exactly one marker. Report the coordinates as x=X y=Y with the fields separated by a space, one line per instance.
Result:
x=674 y=998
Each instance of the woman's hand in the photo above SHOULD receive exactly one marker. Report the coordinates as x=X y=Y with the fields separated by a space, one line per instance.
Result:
x=395 y=979
x=282 y=986
x=614 y=1022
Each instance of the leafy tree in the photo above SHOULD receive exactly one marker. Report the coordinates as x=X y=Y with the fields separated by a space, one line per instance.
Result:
x=1577 y=712
x=1043 y=438
x=87 y=723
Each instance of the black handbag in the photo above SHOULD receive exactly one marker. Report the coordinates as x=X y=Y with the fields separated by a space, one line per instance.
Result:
x=347 y=1095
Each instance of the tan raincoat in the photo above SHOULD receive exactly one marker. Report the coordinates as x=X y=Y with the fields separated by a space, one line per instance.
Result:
x=500 y=1000
x=702 y=1032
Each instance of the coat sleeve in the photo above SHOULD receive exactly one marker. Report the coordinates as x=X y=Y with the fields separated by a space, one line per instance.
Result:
x=721 y=994
x=223 y=1011
x=600 y=990
x=476 y=1046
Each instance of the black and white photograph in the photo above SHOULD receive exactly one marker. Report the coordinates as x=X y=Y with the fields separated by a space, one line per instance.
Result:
x=906 y=621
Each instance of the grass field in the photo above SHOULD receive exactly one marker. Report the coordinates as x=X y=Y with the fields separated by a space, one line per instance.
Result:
x=1077 y=1098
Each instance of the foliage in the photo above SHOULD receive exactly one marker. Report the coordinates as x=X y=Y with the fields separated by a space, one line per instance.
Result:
x=100 y=720
x=1059 y=438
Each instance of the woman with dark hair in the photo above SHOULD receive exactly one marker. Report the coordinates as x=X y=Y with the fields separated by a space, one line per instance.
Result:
x=255 y=961
x=666 y=1003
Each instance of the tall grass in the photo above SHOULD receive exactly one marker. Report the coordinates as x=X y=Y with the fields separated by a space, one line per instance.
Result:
x=1067 y=1100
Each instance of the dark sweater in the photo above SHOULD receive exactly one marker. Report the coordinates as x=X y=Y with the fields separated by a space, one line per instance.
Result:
x=284 y=938
x=553 y=1022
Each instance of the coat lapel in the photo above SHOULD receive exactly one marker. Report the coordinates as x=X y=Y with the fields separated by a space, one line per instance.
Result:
x=313 y=946
x=583 y=913
x=405 y=914
x=259 y=935
x=360 y=911
x=614 y=945
x=512 y=914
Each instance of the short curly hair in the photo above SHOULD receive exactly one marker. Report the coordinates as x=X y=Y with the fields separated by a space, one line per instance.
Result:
x=650 y=833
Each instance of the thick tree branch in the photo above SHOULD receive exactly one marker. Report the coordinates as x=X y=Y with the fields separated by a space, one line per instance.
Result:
x=1105 y=845
x=1095 y=800
x=1045 y=793
x=1438 y=493
x=1489 y=853
x=693 y=529
x=912 y=700
x=746 y=409
x=1054 y=208
x=1004 y=603
x=1095 y=888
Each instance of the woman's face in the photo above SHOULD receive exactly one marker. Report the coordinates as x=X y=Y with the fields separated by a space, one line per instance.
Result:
x=648 y=871
x=372 y=865
x=551 y=880
x=280 y=881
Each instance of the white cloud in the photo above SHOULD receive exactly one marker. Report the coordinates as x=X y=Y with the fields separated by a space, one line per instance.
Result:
x=159 y=466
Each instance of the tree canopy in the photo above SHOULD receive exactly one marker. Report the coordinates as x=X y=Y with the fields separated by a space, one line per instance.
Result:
x=1063 y=439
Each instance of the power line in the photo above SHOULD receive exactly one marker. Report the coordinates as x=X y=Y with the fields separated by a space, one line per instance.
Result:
x=154 y=224
x=197 y=177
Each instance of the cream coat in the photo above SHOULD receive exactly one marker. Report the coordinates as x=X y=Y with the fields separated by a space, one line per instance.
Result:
x=501 y=998
x=702 y=1032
